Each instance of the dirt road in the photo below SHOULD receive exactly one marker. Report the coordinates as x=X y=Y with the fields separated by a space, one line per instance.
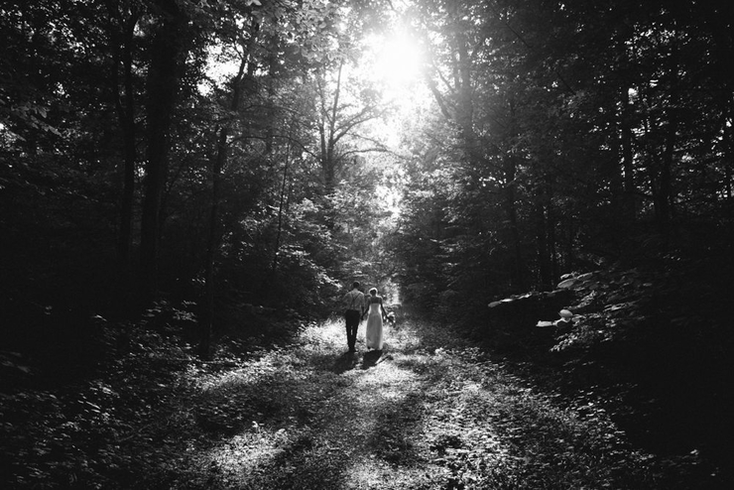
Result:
x=429 y=412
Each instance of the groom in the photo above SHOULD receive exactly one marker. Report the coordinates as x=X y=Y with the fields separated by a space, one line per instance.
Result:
x=354 y=305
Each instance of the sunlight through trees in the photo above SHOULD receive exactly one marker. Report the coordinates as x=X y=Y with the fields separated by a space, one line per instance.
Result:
x=181 y=176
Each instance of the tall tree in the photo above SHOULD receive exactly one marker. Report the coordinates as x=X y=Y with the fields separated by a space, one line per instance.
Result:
x=246 y=37
x=168 y=52
x=124 y=18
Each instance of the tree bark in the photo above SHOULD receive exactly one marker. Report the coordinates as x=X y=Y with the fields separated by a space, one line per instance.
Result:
x=213 y=240
x=168 y=53
x=126 y=114
x=545 y=236
x=664 y=195
x=664 y=198
x=329 y=135
x=510 y=205
x=281 y=208
x=629 y=208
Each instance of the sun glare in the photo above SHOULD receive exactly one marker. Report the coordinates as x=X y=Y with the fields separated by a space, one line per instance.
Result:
x=397 y=62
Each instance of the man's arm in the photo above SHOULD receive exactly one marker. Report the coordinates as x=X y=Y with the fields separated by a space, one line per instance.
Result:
x=362 y=304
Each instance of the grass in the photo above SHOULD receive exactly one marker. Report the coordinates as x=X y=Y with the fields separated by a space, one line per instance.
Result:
x=429 y=412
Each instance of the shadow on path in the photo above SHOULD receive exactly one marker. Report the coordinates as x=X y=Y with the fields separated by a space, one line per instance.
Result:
x=371 y=359
x=345 y=362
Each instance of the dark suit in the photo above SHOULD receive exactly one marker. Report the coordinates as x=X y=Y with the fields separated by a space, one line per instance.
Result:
x=354 y=302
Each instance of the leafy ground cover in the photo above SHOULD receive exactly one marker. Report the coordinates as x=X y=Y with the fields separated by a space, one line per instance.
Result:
x=432 y=411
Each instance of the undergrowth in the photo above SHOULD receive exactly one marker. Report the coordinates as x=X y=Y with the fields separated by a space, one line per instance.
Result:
x=432 y=411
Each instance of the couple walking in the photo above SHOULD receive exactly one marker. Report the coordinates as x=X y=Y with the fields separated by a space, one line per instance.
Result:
x=357 y=306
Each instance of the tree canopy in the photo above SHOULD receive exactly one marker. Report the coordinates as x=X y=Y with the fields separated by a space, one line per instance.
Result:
x=260 y=151
x=247 y=146
x=205 y=161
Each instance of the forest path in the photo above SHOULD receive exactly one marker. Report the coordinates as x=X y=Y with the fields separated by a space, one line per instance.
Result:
x=429 y=412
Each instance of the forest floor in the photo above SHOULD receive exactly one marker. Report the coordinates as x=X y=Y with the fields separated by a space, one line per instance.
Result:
x=431 y=411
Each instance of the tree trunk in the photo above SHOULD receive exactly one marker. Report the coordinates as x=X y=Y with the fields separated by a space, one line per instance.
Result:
x=168 y=53
x=541 y=240
x=510 y=205
x=629 y=208
x=544 y=236
x=281 y=209
x=212 y=244
x=664 y=195
x=463 y=85
x=126 y=115
x=328 y=137
x=123 y=90
x=328 y=140
x=220 y=160
x=553 y=244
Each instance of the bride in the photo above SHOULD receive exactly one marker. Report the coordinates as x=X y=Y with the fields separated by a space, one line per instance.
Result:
x=377 y=313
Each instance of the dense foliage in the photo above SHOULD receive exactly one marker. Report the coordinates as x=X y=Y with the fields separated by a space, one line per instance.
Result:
x=575 y=138
x=224 y=168
x=182 y=150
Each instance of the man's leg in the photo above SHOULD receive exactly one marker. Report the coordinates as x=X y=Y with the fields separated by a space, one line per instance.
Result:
x=352 y=320
x=348 y=323
x=355 y=326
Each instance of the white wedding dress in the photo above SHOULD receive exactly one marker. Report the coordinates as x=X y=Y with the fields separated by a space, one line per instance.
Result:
x=373 y=332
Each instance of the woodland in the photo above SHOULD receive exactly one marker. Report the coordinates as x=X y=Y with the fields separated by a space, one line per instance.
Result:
x=189 y=187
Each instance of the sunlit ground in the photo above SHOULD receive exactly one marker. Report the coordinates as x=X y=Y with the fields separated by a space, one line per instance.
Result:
x=373 y=421
x=430 y=412
x=425 y=413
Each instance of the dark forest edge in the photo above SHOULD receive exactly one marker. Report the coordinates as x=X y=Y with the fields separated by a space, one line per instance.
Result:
x=649 y=344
